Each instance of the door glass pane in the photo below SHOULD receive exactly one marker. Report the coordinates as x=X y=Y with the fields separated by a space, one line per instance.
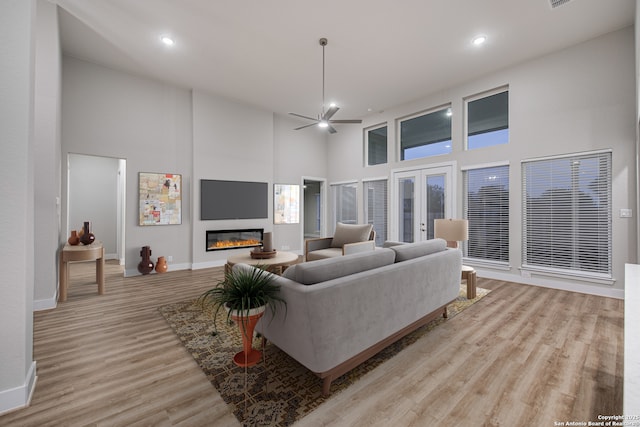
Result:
x=434 y=201
x=406 y=211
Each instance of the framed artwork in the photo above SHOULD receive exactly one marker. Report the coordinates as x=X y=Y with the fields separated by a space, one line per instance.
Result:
x=286 y=204
x=160 y=196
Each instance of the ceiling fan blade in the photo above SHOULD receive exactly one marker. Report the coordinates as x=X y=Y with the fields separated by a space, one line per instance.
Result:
x=330 y=112
x=346 y=121
x=331 y=129
x=305 y=126
x=304 y=117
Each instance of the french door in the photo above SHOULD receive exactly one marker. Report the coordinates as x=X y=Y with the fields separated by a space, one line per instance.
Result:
x=421 y=195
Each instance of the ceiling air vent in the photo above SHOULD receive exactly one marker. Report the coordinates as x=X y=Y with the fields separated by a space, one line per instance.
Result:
x=558 y=3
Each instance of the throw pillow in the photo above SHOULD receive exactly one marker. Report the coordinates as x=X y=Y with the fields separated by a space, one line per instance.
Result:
x=418 y=249
x=309 y=273
x=350 y=233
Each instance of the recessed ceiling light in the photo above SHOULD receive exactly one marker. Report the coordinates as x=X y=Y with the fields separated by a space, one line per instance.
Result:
x=478 y=40
x=167 y=40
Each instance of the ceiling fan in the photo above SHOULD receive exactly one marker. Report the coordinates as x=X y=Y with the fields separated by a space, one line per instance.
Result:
x=324 y=119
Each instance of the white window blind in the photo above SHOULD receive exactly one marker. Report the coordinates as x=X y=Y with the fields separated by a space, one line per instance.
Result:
x=566 y=220
x=486 y=207
x=375 y=208
x=345 y=203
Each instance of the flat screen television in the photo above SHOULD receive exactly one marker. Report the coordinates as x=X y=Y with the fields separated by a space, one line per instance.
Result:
x=233 y=199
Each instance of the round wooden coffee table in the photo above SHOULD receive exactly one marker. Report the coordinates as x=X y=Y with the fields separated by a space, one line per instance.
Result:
x=276 y=265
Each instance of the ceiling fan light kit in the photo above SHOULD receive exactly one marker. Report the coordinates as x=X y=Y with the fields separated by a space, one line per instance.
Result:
x=324 y=118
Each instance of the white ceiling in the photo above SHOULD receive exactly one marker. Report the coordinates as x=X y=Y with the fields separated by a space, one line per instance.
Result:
x=380 y=53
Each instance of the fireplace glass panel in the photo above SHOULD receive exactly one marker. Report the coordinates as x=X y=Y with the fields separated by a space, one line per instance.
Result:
x=234 y=239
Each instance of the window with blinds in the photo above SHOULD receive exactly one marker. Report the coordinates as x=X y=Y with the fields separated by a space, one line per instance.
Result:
x=486 y=207
x=375 y=208
x=567 y=214
x=345 y=203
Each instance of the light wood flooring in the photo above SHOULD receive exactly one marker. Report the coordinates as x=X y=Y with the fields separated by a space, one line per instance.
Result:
x=522 y=356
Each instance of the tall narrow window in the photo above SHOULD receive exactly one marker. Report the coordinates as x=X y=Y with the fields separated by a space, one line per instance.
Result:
x=376 y=145
x=426 y=135
x=486 y=206
x=488 y=119
x=567 y=214
x=375 y=208
x=345 y=203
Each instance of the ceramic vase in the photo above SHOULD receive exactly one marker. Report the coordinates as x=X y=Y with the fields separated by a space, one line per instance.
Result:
x=74 y=239
x=146 y=265
x=161 y=265
x=87 y=237
x=247 y=323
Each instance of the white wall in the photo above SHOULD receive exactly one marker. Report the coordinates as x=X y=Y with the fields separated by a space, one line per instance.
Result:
x=93 y=197
x=113 y=114
x=578 y=99
x=231 y=141
x=47 y=154
x=17 y=44
x=297 y=154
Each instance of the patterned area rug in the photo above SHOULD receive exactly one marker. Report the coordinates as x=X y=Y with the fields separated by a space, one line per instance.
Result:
x=279 y=391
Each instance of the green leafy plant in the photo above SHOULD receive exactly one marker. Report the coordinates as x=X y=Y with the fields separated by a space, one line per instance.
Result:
x=243 y=289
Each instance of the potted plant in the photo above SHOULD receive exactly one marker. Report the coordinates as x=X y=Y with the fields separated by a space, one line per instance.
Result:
x=245 y=293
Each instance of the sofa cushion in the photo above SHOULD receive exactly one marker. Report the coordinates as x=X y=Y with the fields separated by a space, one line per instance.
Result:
x=324 y=254
x=418 y=249
x=389 y=243
x=309 y=273
x=350 y=233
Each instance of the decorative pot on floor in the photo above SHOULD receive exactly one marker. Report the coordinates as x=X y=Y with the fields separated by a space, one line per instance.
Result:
x=87 y=237
x=146 y=265
x=244 y=294
x=247 y=324
x=161 y=265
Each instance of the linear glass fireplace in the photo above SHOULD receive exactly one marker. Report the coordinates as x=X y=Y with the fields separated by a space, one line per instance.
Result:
x=233 y=239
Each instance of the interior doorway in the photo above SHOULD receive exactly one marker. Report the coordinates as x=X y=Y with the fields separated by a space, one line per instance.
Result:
x=96 y=192
x=313 y=207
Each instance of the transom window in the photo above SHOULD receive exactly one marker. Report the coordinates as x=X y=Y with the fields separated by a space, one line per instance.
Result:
x=487 y=119
x=426 y=134
x=376 y=145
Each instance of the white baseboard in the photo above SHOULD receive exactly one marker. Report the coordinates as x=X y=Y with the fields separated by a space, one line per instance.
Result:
x=172 y=267
x=45 y=304
x=545 y=282
x=19 y=397
x=208 y=264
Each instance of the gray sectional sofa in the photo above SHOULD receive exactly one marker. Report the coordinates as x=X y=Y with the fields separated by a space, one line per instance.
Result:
x=341 y=311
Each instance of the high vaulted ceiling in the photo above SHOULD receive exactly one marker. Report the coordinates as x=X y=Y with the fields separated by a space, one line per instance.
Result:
x=380 y=53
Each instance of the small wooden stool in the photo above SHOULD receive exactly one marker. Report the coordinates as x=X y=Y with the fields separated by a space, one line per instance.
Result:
x=469 y=274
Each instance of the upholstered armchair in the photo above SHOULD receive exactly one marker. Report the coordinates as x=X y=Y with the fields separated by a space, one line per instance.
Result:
x=347 y=239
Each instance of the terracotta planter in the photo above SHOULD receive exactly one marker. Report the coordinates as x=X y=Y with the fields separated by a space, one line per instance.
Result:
x=161 y=265
x=74 y=239
x=247 y=323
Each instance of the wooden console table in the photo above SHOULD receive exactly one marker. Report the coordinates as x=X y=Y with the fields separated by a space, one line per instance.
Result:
x=94 y=251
